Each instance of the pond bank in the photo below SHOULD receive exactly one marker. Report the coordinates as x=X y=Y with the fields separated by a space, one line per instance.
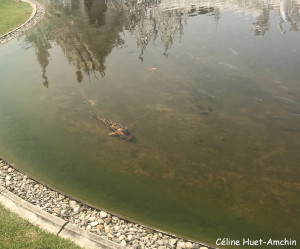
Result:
x=36 y=16
x=81 y=219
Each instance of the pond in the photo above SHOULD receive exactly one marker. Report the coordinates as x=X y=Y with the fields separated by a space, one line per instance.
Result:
x=210 y=90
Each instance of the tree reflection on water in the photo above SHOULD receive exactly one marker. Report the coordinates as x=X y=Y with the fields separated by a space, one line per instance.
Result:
x=88 y=30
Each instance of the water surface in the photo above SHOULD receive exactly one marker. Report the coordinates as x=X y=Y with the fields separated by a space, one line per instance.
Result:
x=209 y=88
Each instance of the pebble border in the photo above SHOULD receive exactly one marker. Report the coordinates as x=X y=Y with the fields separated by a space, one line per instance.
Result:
x=99 y=222
x=36 y=16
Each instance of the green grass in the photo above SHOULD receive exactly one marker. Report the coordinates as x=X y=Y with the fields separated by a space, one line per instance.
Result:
x=17 y=233
x=13 y=14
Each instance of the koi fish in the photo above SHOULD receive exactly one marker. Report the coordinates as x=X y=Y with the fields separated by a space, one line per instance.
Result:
x=152 y=69
x=118 y=130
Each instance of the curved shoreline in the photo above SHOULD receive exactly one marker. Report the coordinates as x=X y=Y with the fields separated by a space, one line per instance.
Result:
x=66 y=216
x=75 y=217
x=37 y=15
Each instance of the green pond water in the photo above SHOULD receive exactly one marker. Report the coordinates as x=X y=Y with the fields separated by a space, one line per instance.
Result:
x=210 y=89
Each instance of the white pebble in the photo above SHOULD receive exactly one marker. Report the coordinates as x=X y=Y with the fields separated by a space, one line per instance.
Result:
x=103 y=214
x=121 y=237
x=94 y=223
x=188 y=245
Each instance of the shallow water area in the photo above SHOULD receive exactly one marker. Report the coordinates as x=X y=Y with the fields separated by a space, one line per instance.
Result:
x=210 y=89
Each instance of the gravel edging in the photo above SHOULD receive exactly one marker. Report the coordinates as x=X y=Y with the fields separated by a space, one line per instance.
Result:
x=98 y=222
x=36 y=16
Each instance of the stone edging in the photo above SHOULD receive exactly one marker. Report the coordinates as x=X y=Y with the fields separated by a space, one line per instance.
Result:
x=78 y=221
x=36 y=16
x=53 y=224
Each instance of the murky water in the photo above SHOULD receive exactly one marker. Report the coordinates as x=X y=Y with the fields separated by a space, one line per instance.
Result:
x=210 y=89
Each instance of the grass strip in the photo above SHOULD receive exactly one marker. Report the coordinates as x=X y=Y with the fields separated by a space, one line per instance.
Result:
x=17 y=233
x=13 y=13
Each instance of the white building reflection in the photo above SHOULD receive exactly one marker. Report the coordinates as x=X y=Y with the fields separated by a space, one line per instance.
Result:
x=154 y=10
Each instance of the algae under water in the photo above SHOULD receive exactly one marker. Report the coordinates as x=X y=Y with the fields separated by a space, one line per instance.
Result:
x=210 y=89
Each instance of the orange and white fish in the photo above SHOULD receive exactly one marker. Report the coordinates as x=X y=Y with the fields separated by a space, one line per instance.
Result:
x=152 y=69
x=118 y=130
